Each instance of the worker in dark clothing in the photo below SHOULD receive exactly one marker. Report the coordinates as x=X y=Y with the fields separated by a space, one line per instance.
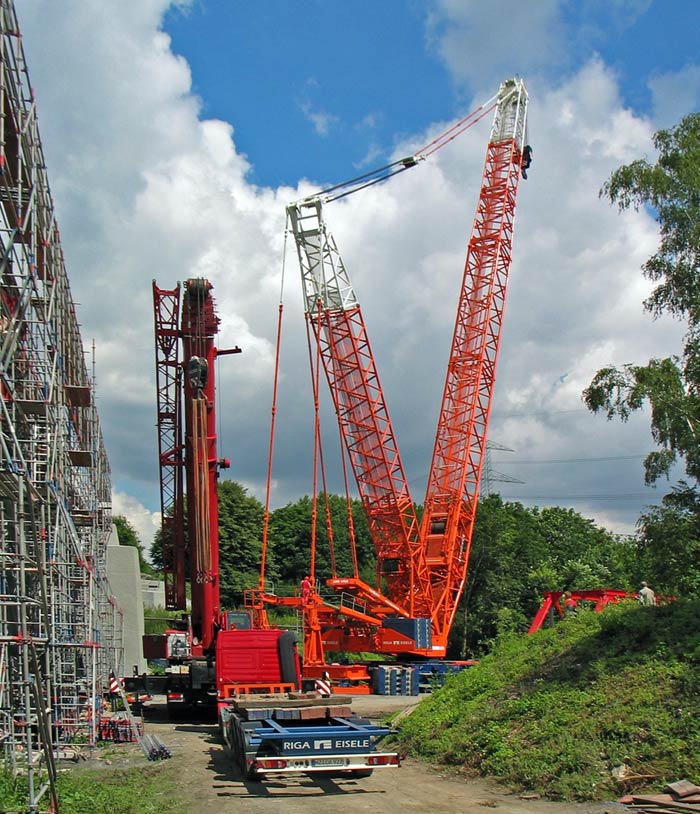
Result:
x=527 y=160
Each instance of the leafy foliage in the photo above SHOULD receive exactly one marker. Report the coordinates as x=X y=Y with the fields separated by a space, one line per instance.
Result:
x=156 y=550
x=517 y=554
x=555 y=712
x=240 y=541
x=290 y=538
x=669 y=545
x=289 y=541
x=671 y=189
x=158 y=620
x=675 y=409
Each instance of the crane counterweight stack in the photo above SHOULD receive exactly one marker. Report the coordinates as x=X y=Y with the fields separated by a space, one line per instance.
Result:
x=422 y=567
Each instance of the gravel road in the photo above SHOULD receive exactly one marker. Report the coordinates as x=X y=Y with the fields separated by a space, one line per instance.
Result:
x=213 y=786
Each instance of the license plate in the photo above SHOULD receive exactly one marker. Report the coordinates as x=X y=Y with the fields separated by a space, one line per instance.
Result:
x=328 y=761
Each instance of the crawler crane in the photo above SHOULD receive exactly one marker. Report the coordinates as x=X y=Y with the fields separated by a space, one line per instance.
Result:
x=421 y=566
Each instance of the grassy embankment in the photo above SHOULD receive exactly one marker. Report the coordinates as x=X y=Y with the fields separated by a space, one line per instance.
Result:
x=557 y=711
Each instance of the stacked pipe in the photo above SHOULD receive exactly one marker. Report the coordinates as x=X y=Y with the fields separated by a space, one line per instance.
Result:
x=154 y=748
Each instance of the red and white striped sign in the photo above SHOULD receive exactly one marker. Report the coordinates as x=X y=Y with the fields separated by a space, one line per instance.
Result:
x=114 y=684
x=323 y=686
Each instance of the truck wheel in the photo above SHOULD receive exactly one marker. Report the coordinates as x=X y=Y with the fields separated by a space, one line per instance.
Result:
x=286 y=648
x=358 y=773
x=254 y=775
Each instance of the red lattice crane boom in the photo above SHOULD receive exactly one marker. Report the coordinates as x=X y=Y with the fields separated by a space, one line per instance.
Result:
x=423 y=567
x=335 y=318
x=453 y=484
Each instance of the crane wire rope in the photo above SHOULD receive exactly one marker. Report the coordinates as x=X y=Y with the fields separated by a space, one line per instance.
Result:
x=199 y=410
x=348 y=503
x=273 y=416
x=380 y=174
x=315 y=380
x=327 y=507
x=322 y=466
x=202 y=552
x=344 y=463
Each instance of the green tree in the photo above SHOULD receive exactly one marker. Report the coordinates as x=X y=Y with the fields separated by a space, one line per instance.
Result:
x=127 y=536
x=497 y=575
x=671 y=189
x=240 y=541
x=517 y=554
x=669 y=544
x=155 y=552
x=290 y=537
x=156 y=549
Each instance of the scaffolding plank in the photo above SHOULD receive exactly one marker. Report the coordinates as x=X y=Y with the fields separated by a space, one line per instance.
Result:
x=80 y=457
x=31 y=406
x=79 y=395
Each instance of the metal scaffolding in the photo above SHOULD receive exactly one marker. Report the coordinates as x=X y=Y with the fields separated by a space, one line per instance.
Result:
x=60 y=628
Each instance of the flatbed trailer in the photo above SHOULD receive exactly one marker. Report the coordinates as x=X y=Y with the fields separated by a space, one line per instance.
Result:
x=286 y=734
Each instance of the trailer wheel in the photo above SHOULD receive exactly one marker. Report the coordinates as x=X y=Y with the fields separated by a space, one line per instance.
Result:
x=358 y=773
x=238 y=749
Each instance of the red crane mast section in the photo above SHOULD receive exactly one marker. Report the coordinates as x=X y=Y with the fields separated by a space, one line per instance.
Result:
x=191 y=320
x=166 y=304
x=422 y=566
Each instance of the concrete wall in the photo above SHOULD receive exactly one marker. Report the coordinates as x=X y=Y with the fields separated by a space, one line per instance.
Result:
x=125 y=580
x=153 y=593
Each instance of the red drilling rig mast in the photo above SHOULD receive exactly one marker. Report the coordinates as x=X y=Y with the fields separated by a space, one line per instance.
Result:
x=192 y=320
x=423 y=565
x=211 y=654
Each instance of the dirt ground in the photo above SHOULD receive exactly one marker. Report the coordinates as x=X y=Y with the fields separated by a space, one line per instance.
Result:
x=212 y=785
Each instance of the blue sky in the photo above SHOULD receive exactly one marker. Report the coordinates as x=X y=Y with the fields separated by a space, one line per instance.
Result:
x=322 y=87
x=316 y=89
x=176 y=132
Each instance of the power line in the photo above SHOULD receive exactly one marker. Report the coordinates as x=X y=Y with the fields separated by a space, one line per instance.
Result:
x=605 y=497
x=575 y=460
x=496 y=414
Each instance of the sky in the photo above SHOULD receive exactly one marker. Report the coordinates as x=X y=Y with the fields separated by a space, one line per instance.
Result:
x=176 y=132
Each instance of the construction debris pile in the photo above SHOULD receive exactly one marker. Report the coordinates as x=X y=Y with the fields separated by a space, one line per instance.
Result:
x=681 y=796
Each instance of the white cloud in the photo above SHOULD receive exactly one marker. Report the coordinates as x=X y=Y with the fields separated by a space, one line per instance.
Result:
x=144 y=522
x=479 y=40
x=323 y=122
